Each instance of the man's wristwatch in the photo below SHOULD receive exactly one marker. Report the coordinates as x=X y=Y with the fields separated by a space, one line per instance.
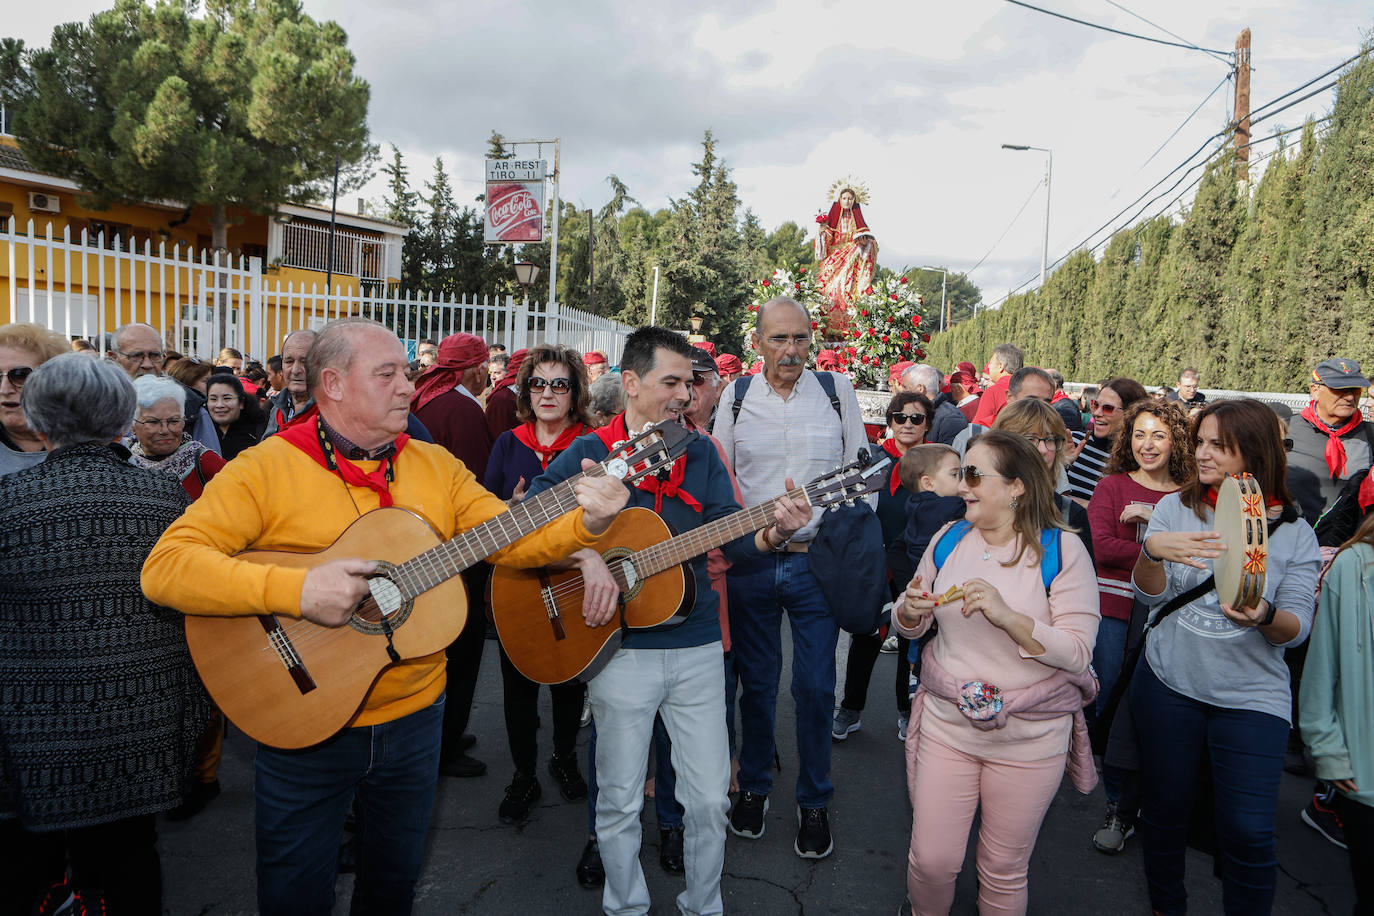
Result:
x=781 y=545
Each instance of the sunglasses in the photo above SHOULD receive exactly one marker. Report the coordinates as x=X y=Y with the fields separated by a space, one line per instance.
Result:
x=974 y=476
x=902 y=418
x=19 y=375
x=1106 y=409
x=557 y=385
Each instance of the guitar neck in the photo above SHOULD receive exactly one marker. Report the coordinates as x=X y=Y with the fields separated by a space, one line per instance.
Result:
x=694 y=543
x=446 y=560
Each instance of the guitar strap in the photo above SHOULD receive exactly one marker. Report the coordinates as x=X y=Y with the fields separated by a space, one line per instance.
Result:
x=391 y=652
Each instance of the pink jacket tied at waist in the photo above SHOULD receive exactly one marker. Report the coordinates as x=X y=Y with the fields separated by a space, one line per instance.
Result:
x=1060 y=694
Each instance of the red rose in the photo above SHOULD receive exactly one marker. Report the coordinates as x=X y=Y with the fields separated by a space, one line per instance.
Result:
x=920 y=354
x=863 y=312
x=884 y=338
x=905 y=335
x=766 y=283
x=903 y=280
x=871 y=332
x=798 y=286
x=820 y=217
x=801 y=270
x=890 y=319
x=892 y=296
x=814 y=325
x=869 y=291
x=906 y=348
x=753 y=308
x=925 y=337
x=916 y=320
x=851 y=351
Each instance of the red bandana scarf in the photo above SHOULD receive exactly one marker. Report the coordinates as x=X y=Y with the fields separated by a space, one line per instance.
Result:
x=614 y=433
x=1335 y=448
x=312 y=439
x=525 y=434
x=890 y=446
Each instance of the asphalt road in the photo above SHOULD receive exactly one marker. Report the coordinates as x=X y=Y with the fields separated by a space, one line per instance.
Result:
x=475 y=865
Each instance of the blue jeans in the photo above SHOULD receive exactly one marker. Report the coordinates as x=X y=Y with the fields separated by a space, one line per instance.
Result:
x=666 y=806
x=760 y=590
x=302 y=798
x=1246 y=751
x=1108 y=655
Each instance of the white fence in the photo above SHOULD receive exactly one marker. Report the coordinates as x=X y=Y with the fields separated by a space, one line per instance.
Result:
x=80 y=288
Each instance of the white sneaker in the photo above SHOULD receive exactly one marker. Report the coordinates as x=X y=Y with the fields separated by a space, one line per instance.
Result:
x=889 y=645
x=901 y=729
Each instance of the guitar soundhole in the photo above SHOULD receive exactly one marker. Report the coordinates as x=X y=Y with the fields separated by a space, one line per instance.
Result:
x=387 y=600
x=623 y=569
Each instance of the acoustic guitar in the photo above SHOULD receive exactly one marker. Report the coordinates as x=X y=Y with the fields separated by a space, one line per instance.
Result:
x=538 y=612
x=290 y=683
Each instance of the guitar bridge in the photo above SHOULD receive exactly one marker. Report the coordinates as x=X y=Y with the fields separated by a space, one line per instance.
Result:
x=551 y=606
x=277 y=638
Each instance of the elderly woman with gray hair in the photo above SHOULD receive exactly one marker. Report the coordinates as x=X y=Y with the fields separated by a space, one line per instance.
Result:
x=161 y=442
x=100 y=706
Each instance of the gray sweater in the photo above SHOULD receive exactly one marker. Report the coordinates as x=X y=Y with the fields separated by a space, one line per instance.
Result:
x=1199 y=652
x=12 y=460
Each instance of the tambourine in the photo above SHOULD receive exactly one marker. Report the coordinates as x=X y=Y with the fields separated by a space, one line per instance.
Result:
x=1241 y=519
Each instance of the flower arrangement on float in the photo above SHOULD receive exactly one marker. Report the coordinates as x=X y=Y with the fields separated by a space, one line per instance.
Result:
x=799 y=285
x=885 y=327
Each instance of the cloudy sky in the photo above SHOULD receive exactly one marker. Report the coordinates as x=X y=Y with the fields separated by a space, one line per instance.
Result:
x=915 y=98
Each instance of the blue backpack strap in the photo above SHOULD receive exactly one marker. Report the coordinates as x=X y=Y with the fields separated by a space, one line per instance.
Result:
x=741 y=389
x=1051 y=560
x=828 y=386
x=948 y=541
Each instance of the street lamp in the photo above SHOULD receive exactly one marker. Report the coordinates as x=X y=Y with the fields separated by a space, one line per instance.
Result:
x=525 y=274
x=1049 y=165
x=944 y=277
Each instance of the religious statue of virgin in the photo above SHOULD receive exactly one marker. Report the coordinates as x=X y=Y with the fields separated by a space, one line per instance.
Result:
x=846 y=251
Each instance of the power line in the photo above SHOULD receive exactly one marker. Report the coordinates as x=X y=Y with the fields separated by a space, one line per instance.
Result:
x=1224 y=80
x=1008 y=229
x=1348 y=60
x=1094 y=25
x=1218 y=55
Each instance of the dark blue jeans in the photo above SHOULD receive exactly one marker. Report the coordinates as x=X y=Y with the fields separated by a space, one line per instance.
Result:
x=666 y=806
x=1246 y=753
x=1108 y=655
x=760 y=590
x=303 y=796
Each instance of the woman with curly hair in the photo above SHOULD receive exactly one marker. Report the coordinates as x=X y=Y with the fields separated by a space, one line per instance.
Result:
x=23 y=348
x=1150 y=459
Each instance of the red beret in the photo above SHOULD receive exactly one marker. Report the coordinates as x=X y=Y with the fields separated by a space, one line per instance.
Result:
x=593 y=358
x=727 y=363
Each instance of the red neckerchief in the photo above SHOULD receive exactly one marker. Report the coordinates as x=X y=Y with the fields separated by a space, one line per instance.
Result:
x=1366 y=495
x=525 y=433
x=890 y=446
x=1210 y=498
x=312 y=439
x=614 y=433
x=1335 y=448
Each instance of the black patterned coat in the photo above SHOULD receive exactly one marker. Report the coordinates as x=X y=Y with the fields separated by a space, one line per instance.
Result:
x=100 y=706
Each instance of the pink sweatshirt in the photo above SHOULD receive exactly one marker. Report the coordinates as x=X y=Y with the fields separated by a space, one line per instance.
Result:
x=973 y=649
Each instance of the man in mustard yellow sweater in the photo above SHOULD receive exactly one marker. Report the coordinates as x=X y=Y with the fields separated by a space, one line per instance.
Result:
x=298 y=491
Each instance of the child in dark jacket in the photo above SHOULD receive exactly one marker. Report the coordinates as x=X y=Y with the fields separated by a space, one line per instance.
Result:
x=931 y=473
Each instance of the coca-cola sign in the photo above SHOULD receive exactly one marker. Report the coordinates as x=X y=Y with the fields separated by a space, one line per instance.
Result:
x=515 y=201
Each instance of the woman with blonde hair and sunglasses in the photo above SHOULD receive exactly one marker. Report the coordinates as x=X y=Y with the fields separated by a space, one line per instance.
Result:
x=1043 y=427
x=23 y=348
x=998 y=717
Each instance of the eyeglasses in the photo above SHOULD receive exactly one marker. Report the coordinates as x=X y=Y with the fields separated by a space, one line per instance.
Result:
x=558 y=385
x=169 y=423
x=800 y=341
x=138 y=356
x=1106 y=409
x=975 y=477
x=903 y=418
x=1053 y=443
x=19 y=375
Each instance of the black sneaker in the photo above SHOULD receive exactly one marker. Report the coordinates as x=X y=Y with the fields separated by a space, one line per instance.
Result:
x=813 y=833
x=521 y=795
x=746 y=818
x=564 y=770
x=461 y=766
x=590 y=872
x=1325 y=821
x=670 y=850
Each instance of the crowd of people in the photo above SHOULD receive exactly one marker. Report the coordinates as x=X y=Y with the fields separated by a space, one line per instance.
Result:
x=1048 y=562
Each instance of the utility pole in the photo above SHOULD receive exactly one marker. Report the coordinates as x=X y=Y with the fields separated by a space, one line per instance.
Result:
x=1242 y=76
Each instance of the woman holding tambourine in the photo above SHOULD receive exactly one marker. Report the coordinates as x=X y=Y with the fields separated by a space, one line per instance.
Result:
x=1212 y=688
